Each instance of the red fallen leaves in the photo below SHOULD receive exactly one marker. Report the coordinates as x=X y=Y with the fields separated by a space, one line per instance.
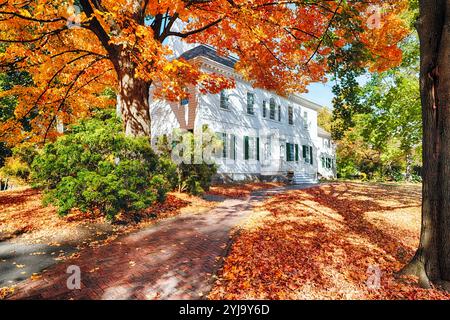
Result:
x=240 y=190
x=21 y=212
x=327 y=242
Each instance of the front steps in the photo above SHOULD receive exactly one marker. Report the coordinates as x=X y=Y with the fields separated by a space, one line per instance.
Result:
x=304 y=178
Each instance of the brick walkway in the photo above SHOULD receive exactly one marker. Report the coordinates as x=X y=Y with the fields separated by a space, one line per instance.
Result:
x=175 y=259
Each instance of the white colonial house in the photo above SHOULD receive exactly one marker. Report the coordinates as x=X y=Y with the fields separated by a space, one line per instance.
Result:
x=265 y=136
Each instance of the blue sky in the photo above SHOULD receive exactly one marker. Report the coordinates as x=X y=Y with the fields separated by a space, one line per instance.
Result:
x=320 y=93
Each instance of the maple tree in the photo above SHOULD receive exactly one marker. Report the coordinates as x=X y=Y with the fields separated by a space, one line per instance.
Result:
x=73 y=57
x=431 y=263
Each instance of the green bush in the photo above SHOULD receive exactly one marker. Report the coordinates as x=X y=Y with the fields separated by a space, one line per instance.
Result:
x=94 y=166
x=192 y=178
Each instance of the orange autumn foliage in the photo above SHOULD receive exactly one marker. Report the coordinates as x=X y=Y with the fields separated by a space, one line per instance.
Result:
x=327 y=242
x=73 y=54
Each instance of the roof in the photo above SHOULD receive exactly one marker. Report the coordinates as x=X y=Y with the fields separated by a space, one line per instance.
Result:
x=210 y=53
x=322 y=133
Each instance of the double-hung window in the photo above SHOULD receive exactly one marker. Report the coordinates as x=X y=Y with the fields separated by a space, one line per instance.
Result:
x=251 y=148
x=228 y=145
x=272 y=109
x=250 y=103
x=224 y=100
x=290 y=115
x=308 y=154
x=290 y=151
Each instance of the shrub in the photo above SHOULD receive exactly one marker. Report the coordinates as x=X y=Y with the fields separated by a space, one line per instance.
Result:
x=94 y=166
x=18 y=165
x=192 y=178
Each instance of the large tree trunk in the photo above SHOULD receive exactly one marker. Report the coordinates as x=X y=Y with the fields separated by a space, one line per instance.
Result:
x=133 y=99
x=431 y=262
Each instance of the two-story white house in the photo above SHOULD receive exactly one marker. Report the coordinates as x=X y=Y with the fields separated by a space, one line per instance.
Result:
x=264 y=136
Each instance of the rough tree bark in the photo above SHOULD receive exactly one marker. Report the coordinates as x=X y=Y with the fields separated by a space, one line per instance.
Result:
x=431 y=263
x=133 y=99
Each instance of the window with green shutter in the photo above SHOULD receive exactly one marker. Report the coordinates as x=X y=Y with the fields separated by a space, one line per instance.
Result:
x=257 y=148
x=272 y=109
x=246 y=148
x=305 y=150
x=290 y=152
x=296 y=152
x=224 y=145
x=290 y=115
x=310 y=155
x=233 y=147
x=250 y=103
x=264 y=109
x=279 y=113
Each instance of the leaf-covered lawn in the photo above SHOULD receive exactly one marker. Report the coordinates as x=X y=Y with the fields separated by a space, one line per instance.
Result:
x=327 y=242
x=24 y=218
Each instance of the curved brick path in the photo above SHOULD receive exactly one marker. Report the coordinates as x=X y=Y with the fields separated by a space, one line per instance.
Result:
x=175 y=259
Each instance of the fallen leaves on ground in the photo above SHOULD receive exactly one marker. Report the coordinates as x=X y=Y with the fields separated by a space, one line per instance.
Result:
x=240 y=190
x=23 y=218
x=6 y=291
x=336 y=241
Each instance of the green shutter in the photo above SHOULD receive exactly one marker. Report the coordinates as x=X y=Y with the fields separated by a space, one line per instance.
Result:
x=304 y=152
x=246 y=148
x=233 y=145
x=257 y=148
x=296 y=152
x=287 y=151
x=311 y=155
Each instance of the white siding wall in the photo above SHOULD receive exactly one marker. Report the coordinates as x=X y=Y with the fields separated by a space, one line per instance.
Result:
x=237 y=121
x=204 y=109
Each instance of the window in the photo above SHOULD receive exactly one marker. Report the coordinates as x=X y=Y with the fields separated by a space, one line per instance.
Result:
x=308 y=154
x=268 y=149
x=272 y=108
x=223 y=138
x=228 y=145
x=296 y=152
x=290 y=115
x=290 y=151
x=279 y=113
x=251 y=148
x=250 y=103
x=184 y=102
x=224 y=100
x=232 y=146
x=328 y=163
x=326 y=143
x=305 y=120
x=264 y=109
